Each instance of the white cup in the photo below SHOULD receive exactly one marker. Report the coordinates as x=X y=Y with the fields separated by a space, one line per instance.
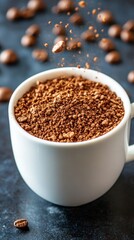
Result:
x=71 y=174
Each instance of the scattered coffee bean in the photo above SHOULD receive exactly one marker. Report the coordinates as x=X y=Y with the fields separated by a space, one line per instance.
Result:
x=127 y=36
x=8 y=56
x=13 y=14
x=36 y=5
x=33 y=30
x=114 y=31
x=131 y=76
x=69 y=109
x=82 y=4
x=59 y=47
x=129 y=25
x=105 y=17
x=5 y=94
x=106 y=44
x=28 y=41
x=58 y=29
x=60 y=38
x=88 y=36
x=76 y=19
x=40 y=55
x=27 y=13
x=73 y=44
x=21 y=223
x=113 y=57
x=65 y=6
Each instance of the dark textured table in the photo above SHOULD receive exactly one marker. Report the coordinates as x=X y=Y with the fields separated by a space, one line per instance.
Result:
x=110 y=217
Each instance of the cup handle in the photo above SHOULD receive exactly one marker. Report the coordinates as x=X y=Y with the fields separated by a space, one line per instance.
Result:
x=130 y=155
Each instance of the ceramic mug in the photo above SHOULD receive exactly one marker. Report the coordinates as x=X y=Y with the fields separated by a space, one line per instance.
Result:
x=71 y=174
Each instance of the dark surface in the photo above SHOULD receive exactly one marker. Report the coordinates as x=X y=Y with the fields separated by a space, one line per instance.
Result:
x=111 y=217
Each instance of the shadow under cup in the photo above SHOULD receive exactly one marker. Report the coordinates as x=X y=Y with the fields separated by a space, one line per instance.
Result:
x=70 y=174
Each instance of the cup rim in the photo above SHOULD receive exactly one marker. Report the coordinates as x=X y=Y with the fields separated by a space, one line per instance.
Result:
x=66 y=70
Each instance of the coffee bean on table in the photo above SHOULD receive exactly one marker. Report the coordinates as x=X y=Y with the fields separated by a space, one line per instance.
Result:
x=113 y=57
x=106 y=44
x=65 y=6
x=76 y=19
x=40 y=55
x=27 y=13
x=88 y=36
x=114 y=31
x=13 y=14
x=5 y=94
x=8 y=56
x=28 y=41
x=105 y=17
x=58 y=30
x=127 y=36
x=21 y=223
x=129 y=25
x=36 y=5
x=73 y=44
x=131 y=76
x=59 y=47
x=33 y=30
x=60 y=38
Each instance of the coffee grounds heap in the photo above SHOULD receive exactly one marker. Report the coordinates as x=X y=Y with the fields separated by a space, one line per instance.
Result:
x=69 y=109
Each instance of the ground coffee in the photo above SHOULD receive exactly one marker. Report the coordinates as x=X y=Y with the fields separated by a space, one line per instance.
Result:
x=69 y=109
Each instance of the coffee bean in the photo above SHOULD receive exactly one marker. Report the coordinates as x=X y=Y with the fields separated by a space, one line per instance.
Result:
x=88 y=36
x=114 y=31
x=127 y=36
x=55 y=9
x=76 y=19
x=59 y=47
x=131 y=76
x=8 y=56
x=33 y=30
x=27 y=13
x=73 y=44
x=13 y=14
x=40 y=55
x=65 y=6
x=129 y=25
x=105 y=17
x=36 y=5
x=5 y=94
x=28 y=41
x=58 y=30
x=21 y=223
x=82 y=4
x=106 y=44
x=60 y=38
x=113 y=57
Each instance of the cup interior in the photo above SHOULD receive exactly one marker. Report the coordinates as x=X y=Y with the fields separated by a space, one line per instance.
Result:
x=68 y=71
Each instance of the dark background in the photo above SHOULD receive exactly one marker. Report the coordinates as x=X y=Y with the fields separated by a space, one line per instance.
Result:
x=110 y=217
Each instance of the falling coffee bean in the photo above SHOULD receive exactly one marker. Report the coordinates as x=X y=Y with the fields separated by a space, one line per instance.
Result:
x=28 y=41
x=73 y=44
x=105 y=17
x=76 y=19
x=58 y=30
x=21 y=223
x=27 y=13
x=60 y=38
x=129 y=25
x=131 y=76
x=13 y=14
x=113 y=57
x=33 y=30
x=5 y=94
x=127 y=36
x=40 y=55
x=65 y=6
x=8 y=56
x=106 y=44
x=59 y=47
x=36 y=6
x=88 y=36
x=114 y=31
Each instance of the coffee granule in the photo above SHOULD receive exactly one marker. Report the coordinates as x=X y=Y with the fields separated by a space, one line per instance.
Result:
x=69 y=109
